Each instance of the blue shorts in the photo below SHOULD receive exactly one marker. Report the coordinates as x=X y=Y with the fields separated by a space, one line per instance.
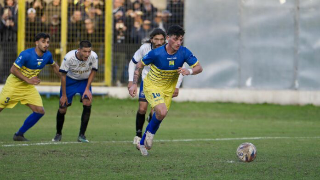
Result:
x=73 y=87
x=142 y=97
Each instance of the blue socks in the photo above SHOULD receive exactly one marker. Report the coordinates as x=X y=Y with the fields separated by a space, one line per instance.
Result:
x=31 y=120
x=152 y=127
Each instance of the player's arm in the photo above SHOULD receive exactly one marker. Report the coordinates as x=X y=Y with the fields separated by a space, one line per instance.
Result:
x=131 y=69
x=55 y=68
x=138 y=55
x=87 y=91
x=63 y=99
x=16 y=71
x=176 y=91
x=137 y=73
x=196 y=69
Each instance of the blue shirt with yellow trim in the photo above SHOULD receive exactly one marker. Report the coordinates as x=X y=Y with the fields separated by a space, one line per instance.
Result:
x=30 y=64
x=163 y=73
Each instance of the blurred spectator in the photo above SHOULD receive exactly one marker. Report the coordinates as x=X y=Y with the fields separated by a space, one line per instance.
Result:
x=119 y=27
x=89 y=31
x=33 y=25
x=118 y=10
x=55 y=29
x=53 y=9
x=158 y=22
x=136 y=6
x=120 y=32
x=38 y=5
x=75 y=26
x=148 y=10
x=175 y=7
x=98 y=4
x=8 y=37
x=140 y=31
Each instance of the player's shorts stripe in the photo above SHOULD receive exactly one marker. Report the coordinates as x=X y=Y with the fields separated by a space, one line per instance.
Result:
x=134 y=61
x=94 y=69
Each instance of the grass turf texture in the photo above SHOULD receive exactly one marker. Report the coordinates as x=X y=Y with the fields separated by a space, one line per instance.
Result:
x=291 y=152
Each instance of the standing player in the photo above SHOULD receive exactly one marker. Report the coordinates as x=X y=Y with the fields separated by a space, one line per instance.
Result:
x=166 y=65
x=157 y=39
x=77 y=72
x=20 y=87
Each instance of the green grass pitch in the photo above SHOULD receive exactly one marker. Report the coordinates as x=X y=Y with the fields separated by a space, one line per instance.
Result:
x=195 y=141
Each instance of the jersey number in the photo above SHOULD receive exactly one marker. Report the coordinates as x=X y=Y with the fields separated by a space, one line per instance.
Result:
x=155 y=95
x=8 y=99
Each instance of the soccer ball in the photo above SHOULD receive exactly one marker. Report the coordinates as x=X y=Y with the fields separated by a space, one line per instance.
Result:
x=247 y=152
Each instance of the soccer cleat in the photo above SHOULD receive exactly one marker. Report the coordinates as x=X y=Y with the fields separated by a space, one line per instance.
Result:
x=143 y=150
x=57 y=138
x=19 y=138
x=82 y=138
x=149 y=140
x=136 y=139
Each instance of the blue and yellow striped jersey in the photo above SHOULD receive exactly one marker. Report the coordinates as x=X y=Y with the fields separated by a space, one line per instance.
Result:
x=163 y=73
x=30 y=64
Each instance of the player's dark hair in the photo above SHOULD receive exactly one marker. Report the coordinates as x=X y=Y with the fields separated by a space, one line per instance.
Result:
x=155 y=32
x=175 y=30
x=85 y=44
x=41 y=35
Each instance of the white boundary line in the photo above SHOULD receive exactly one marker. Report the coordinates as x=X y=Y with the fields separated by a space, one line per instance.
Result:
x=174 y=140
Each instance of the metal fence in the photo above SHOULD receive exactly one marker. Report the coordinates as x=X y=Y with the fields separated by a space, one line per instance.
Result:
x=116 y=29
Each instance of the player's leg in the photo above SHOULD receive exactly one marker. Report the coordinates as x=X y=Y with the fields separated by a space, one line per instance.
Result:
x=71 y=91
x=153 y=126
x=150 y=115
x=156 y=98
x=86 y=112
x=141 y=115
x=31 y=120
x=59 y=123
x=32 y=99
x=140 y=119
x=1 y=109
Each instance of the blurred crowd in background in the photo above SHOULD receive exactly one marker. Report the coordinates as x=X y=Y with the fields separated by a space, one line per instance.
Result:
x=133 y=20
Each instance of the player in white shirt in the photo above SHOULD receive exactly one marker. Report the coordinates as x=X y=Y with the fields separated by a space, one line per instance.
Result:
x=157 y=39
x=77 y=72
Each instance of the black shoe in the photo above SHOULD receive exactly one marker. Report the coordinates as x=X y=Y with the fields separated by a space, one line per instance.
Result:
x=57 y=138
x=19 y=138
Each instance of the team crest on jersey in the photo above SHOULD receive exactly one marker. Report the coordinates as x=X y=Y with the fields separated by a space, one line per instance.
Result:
x=171 y=63
x=39 y=62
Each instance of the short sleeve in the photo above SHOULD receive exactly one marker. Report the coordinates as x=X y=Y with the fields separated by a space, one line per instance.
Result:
x=50 y=61
x=95 y=62
x=64 y=66
x=148 y=58
x=190 y=58
x=21 y=60
x=138 y=55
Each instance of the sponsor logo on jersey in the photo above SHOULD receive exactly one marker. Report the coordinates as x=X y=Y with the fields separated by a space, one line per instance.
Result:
x=171 y=58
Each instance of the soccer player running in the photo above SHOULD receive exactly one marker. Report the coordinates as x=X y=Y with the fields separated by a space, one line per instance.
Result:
x=20 y=85
x=77 y=72
x=157 y=39
x=166 y=65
